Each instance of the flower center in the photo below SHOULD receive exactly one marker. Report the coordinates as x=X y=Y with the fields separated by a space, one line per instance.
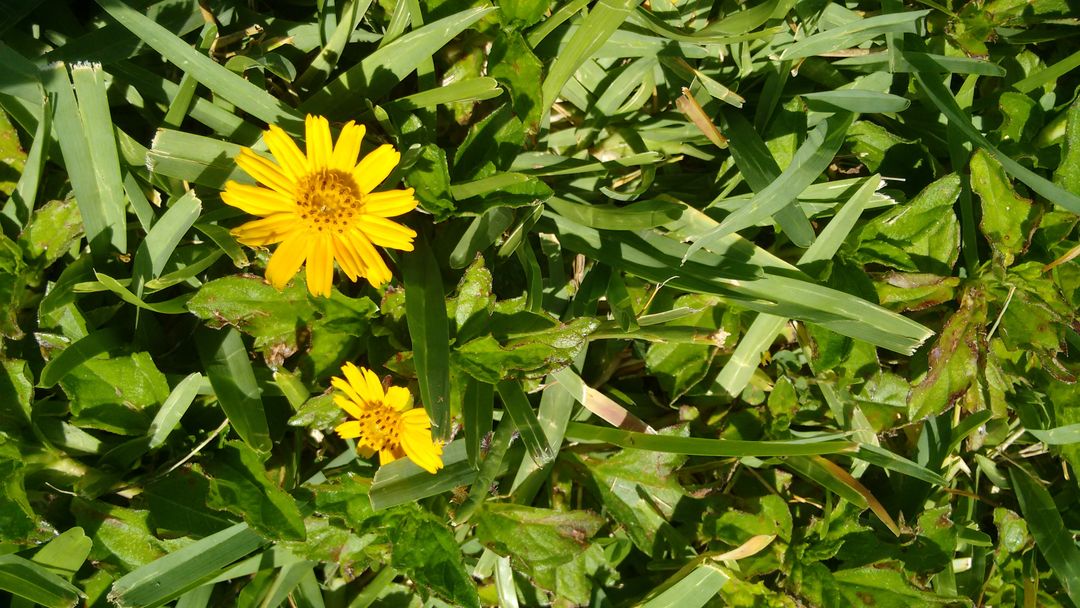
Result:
x=328 y=199
x=381 y=426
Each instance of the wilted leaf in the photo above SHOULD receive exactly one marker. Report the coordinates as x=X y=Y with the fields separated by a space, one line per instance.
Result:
x=1008 y=219
x=954 y=360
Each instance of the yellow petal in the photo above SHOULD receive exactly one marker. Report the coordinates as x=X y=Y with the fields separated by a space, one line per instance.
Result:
x=348 y=430
x=365 y=451
x=398 y=397
x=365 y=382
x=286 y=152
x=266 y=172
x=386 y=233
x=320 y=267
x=386 y=457
x=319 y=144
x=347 y=258
x=347 y=403
x=256 y=200
x=348 y=147
x=287 y=259
x=389 y=203
x=419 y=448
x=377 y=272
x=416 y=418
x=375 y=167
x=268 y=230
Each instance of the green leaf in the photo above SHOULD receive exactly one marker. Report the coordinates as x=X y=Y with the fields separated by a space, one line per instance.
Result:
x=425 y=550
x=904 y=291
x=490 y=146
x=954 y=360
x=65 y=554
x=430 y=177
x=239 y=484
x=115 y=394
x=922 y=235
x=1008 y=219
x=522 y=13
x=640 y=490
x=36 y=583
x=516 y=404
x=12 y=268
x=18 y=519
x=224 y=358
x=177 y=504
x=884 y=587
x=52 y=231
x=529 y=355
x=540 y=541
x=425 y=306
x=690 y=590
x=121 y=536
x=515 y=66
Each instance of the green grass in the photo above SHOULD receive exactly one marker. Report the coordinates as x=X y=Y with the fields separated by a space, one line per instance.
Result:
x=714 y=304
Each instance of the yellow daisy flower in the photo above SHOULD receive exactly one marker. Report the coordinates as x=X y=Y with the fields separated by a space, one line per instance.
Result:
x=384 y=422
x=320 y=207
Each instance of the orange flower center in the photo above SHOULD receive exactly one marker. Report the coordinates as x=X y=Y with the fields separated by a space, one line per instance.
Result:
x=380 y=426
x=328 y=199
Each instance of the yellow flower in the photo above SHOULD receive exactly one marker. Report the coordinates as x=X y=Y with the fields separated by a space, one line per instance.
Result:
x=384 y=422
x=320 y=207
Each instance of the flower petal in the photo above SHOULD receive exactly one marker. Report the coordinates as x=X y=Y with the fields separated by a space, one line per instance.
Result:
x=416 y=419
x=377 y=271
x=347 y=258
x=421 y=450
x=365 y=451
x=320 y=266
x=365 y=382
x=398 y=398
x=386 y=233
x=347 y=403
x=287 y=259
x=319 y=143
x=266 y=172
x=389 y=203
x=348 y=147
x=268 y=230
x=375 y=167
x=256 y=200
x=348 y=430
x=386 y=457
x=286 y=152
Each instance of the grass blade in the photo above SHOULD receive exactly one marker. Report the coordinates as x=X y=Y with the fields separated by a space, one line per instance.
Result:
x=429 y=329
x=173 y=409
x=1053 y=539
x=516 y=403
x=476 y=412
x=854 y=34
x=697 y=446
x=215 y=77
x=36 y=583
x=377 y=73
x=402 y=481
x=738 y=370
x=169 y=577
x=690 y=590
x=225 y=360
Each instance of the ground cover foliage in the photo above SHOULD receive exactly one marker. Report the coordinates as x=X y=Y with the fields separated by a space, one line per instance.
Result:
x=713 y=303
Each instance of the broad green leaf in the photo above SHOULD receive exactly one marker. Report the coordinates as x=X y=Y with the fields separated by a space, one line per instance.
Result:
x=121 y=536
x=881 y=586
x=177 y=505
x=115 y=394
x=12 y=268
x=429 y=176
x=239 y=484
x=516 y=67
x=1008 y=219
x=65 y=554
x=490 y=146
x=52 y=231
x=640 y=490
x=528 y=355
x=922 y=235
x=425 y=550
x=904 y=291
x=18 y=519
x=954 y=359
x=540 y=541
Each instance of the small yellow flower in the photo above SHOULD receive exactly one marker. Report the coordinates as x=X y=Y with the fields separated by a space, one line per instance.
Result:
x=320 y=207
x=384 y=422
